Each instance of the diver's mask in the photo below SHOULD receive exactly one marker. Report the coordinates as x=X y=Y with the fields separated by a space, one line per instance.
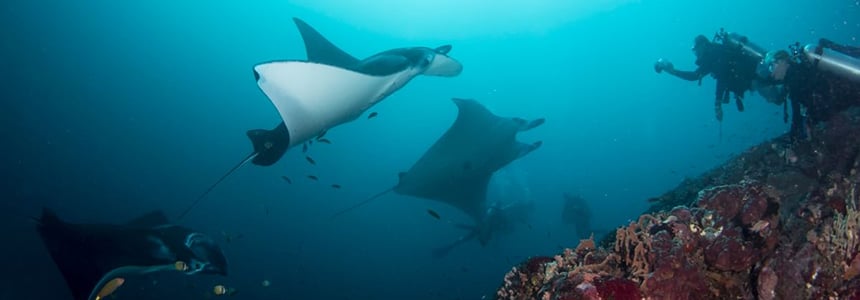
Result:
x=763 y=70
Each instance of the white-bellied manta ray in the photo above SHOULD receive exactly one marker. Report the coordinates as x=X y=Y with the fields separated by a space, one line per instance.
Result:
x=457 y=168
x=91 y=256
x=331 y=88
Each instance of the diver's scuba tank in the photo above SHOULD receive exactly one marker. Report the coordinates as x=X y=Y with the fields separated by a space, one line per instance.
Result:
x=833 y=61
x=733 y=38
x=748 y=46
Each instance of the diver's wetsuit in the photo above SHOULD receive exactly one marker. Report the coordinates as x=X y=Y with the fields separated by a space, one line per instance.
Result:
x=733 y=70
x=822 y=93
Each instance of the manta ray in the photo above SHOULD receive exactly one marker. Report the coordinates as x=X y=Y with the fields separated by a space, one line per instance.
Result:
x=91 y=256
x=458 y=166
x=331 y=88
x=577 y=212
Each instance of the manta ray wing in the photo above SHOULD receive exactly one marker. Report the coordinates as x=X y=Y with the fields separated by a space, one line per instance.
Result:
x=457 y=168
x=321 y=50
x=91 y=255
x=312 y=97
x=85 y=255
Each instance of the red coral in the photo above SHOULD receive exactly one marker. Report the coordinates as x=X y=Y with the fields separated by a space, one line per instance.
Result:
x=729 y=252
x=618 y=289
x=755 y=206
x=724 y=201
x=674 y=276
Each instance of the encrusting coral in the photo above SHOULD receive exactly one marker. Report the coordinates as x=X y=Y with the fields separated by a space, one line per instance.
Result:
x=780 y=221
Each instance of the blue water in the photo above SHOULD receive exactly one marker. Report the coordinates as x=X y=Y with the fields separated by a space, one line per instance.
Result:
x=114 y=108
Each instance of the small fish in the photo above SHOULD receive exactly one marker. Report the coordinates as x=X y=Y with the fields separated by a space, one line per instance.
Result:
x=287 y=179
x=110 y=287
x=324 y=141
x=312 y=177
x=180 y=266
x=219 y=290
x=371 y=115
x=266 y=283
x=305 y=148
x=310 y=142
x=310 y=160
x=434 y=214
x=335 y=186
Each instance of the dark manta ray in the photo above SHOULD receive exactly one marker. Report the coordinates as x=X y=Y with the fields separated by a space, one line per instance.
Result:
x=331 y=88
x=457 y=168
x=91 y=255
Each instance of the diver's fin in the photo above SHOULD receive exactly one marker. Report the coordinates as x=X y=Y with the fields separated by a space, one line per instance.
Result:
x=149 y=220
x=362 y=203
x=321 y=50
x=269 y=145
x=236 y=167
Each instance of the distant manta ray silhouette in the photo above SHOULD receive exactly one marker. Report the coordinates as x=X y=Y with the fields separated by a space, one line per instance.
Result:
x=457 y=168
x=330 y=88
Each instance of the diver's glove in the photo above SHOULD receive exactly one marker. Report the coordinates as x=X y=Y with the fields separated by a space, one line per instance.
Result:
x=663 y=64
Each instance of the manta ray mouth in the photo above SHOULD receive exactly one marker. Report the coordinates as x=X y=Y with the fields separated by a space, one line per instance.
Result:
x=443 y=65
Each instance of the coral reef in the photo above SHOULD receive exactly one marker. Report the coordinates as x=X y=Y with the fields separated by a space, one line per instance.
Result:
x=780 y=221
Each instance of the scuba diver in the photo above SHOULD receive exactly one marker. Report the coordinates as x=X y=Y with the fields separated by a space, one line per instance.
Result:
x=731 y=59
x=820 y=80
x=497 y=219
x=577 y=212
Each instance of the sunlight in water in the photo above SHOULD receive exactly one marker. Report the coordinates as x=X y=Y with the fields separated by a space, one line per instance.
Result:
x=458 y=18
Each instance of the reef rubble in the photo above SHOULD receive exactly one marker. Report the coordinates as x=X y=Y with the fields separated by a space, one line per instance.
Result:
x=779 y=221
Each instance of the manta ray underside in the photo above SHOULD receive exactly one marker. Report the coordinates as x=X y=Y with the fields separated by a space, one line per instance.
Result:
x=328 y=89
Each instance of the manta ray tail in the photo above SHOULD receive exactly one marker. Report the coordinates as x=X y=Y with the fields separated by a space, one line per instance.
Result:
x=236 y=167
x=362 y=203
